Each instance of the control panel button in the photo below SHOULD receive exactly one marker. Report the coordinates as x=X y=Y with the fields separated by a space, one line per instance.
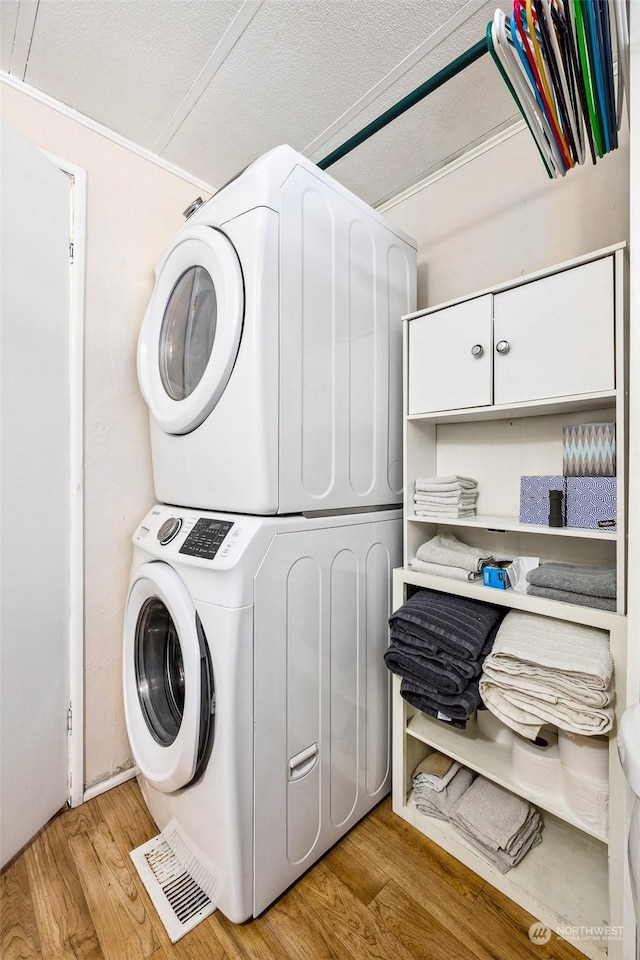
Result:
x=206 y=538
x=169 y=530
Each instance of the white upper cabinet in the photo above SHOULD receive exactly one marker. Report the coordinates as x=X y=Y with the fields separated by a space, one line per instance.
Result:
x=553 y=337
x=545 y=338
x=451 y=357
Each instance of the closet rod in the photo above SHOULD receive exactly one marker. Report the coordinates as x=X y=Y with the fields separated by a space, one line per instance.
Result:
x=451 y=70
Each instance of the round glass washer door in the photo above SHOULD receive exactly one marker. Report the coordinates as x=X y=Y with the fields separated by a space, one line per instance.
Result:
x=191 y=331
x=167 y=702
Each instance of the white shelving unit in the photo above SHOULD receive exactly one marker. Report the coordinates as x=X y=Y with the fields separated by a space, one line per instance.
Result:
x=574 y=877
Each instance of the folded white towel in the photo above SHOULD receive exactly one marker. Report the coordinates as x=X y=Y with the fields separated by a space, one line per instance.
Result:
x=538 y=641
x=542 y=670
x=445 y=483
x=439 y=570
x=445 y=498
x=447 y=547
x=429 y=510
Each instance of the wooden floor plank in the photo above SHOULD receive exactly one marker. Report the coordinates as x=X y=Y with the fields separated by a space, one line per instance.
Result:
x=416 y=928
x=352 y=924
x=411 y=865
x=441 y=864
x=119 y=914
x=247 y=941
x=18 y=931
x=64 y=921
x=81 y=819
x=364 y=878
x=126 y=813
x=303 y=935
x=512 y=918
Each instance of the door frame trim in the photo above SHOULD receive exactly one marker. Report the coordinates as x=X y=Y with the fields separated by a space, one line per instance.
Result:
x=77 y=264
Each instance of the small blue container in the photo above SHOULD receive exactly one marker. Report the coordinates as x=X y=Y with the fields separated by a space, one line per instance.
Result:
x=496 y=577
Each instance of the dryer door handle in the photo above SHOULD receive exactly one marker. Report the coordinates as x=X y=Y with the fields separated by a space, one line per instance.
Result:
x=303 y=762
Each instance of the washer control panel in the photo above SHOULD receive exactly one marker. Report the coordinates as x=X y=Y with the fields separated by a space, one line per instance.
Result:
x=205 y=538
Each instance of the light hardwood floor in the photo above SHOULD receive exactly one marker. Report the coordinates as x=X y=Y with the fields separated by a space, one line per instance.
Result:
x=384 y=892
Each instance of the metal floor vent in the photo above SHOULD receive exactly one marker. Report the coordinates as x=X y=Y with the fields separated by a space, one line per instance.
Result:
x=179 y=899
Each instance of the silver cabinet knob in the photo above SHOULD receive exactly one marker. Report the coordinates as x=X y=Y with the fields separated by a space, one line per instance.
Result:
x=477 y=350
x=502 y=347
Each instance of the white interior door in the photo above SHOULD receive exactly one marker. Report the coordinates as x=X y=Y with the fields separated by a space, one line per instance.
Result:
x=34 y=497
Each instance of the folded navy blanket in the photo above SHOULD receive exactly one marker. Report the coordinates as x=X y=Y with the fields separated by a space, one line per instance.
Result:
x=447 y=623
x=594 y=580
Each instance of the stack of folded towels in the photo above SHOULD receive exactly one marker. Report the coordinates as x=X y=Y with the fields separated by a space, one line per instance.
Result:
x=438 y=645
x=500 y=825
x=543 y=670
x=590 y=586
x=446 y=556
x=444 y=497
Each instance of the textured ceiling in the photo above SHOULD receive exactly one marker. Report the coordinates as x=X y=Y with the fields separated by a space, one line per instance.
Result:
x=211 y=84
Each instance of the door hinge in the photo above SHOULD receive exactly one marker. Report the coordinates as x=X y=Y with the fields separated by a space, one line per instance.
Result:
x=69 y=719
x=71 y=250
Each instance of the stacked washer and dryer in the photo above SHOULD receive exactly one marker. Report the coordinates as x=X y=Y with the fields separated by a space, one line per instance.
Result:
x=256 y=697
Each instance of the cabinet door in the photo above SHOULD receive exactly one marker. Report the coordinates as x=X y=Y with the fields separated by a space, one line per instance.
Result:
x=450 y=358
x=556 y=335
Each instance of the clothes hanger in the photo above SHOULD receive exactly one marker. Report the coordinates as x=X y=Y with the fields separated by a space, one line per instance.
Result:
x=510 y=87
x=587 y=78
x=541 y=86
x=551 y=146
x=563 y=66
x=567 y=28
x=529 y=107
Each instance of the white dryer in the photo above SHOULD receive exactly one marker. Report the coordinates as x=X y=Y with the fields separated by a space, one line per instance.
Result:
x=255 y=692
x=270 y=352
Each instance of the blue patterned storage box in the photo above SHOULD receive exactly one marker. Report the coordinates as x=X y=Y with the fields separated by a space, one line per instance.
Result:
x=591 y=502
x=589 y=450
x=534 y=497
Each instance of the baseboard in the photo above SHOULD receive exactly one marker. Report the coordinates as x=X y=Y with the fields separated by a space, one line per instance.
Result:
x=110 y=783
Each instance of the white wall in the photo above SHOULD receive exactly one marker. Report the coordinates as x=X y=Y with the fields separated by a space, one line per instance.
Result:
x=499 y=216
x=133 y=208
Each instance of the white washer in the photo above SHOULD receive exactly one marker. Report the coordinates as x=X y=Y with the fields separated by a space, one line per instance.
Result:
x=270 y=355
x=256 y=696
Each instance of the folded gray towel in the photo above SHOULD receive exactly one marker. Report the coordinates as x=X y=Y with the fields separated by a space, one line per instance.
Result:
x=438 y=803
x=501 y=860
x=492 y=814
x=597 y=580
x=566 y=596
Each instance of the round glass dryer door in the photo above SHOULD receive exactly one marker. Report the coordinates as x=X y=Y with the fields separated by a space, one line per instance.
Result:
x=167 y=680
x=191 y=331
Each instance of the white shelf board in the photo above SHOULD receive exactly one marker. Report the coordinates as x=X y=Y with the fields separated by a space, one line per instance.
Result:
x=511 y=525
x=528 y=408
x=604 y=619
x=563 y=882
x=471 y=748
